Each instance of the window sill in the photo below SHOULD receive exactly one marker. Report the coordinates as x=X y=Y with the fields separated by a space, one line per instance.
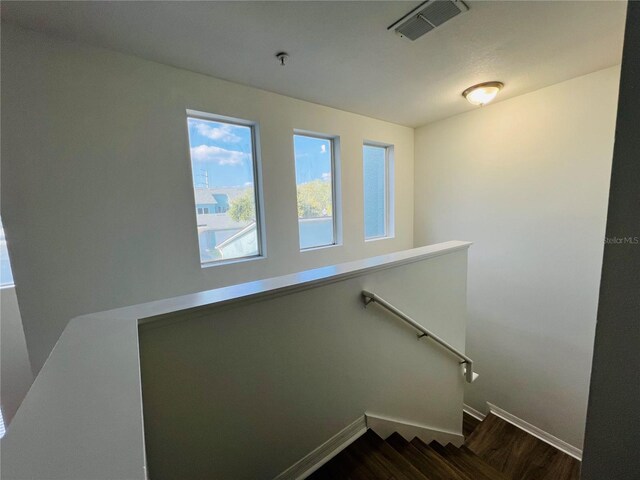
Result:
x=321 y=247
x=377 y=239
x=232 y=261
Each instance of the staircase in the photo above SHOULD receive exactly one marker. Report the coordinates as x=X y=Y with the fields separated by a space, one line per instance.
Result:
x=493 y=450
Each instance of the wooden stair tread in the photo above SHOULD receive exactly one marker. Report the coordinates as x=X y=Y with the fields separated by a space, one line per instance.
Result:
x=441 y=468
x=495 y=450
x=520 y=455
x=411 y=454
x=369 y=457
x=475 y=464
x=390 y=460
x=486 y=469
x=345 y=466
x=563 y=468
x=470 y=467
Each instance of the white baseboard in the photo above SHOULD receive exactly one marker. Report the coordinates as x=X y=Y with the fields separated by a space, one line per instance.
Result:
x=536 y=432
x=385 y=426
x=325 y=452
x=477 y=414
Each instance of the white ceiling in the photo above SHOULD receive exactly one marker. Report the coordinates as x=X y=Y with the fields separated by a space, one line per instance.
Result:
x=341 y=52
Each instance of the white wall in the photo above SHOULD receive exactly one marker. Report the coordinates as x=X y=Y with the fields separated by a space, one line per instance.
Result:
x=15 y=371
x=245 y=391
x=97 y=198
x=526 y=180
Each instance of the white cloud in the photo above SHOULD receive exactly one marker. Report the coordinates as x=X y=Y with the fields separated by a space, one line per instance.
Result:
x=224 y=133
x=326 y=176
x=323 y=148
x=221 y=156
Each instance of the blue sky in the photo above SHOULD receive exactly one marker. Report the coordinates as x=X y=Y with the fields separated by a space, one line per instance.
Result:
x=223 y=151
x=313 y=158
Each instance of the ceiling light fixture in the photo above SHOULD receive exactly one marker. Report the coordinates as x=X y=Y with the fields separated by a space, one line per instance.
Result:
x=482 y=93
x=282 y=58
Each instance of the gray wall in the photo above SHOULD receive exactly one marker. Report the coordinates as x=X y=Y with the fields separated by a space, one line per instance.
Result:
x=245 y=392
x=97 y=199
x=613 y=421
x=526 y=180
x=15 y=371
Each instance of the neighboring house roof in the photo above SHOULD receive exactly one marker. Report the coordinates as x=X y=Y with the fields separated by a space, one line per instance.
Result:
x=213 y=195
x=218 y=221
x=205 y=196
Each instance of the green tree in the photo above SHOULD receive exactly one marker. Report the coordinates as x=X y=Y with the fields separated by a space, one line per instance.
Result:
x=314 y=199
x=243 y=207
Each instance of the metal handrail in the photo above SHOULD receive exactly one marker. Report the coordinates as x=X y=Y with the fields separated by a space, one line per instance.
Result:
x=369 y=297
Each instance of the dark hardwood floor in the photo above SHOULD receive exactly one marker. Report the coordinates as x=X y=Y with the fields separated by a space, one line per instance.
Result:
x=518 y=454
x=368 y=458
x=494 y=450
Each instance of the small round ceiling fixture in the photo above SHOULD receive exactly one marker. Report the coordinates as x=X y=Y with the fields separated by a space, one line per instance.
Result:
x=482 y=93
x=282 y=58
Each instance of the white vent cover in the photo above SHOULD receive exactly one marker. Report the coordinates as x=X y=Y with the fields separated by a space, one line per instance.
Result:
x=427 y=16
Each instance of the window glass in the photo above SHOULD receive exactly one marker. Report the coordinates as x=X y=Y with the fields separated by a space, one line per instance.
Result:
x=314 y=159
x=375 y=168
x=223 y=165
x=6 y=276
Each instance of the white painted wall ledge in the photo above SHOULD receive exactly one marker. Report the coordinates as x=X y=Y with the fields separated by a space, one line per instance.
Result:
x=82 y=418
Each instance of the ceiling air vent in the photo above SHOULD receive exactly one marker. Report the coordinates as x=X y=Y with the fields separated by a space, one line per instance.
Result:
x=427 y=16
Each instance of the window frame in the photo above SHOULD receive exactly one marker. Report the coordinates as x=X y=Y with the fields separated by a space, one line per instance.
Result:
x=256 y=159
x=334 y=142
x=389 y=192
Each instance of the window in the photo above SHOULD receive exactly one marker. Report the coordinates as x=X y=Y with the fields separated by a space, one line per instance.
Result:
x=224 y=168
x=377 y=202
x=6 y=276
x=315 y=166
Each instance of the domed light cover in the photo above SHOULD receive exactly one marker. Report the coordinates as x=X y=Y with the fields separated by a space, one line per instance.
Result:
x=482 y=93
